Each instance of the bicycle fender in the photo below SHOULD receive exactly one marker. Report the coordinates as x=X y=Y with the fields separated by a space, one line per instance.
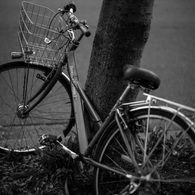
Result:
x=168 y=109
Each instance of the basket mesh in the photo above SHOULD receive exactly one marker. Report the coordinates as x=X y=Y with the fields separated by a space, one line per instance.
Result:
x=39 y=35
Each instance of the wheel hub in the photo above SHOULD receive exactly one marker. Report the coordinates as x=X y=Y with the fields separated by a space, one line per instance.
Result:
x=21 y=111
x=146 y=183
x=150 y=183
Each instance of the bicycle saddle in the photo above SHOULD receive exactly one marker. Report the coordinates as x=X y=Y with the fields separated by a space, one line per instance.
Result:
x=141 y=76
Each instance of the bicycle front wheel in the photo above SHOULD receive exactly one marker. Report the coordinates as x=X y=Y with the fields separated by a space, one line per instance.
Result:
x=19 y=81
x=164 y=156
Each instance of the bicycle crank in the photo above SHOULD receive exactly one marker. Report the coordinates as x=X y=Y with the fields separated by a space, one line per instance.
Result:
x=47 y=139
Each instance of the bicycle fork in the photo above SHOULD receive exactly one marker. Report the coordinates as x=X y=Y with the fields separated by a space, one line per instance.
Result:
x=23 y=108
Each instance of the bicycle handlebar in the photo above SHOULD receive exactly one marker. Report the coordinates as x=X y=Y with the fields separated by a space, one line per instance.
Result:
x=80 y=25
x=69 y=9
x=84 y=30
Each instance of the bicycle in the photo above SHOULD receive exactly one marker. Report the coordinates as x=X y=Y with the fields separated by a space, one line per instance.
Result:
x=142 y=147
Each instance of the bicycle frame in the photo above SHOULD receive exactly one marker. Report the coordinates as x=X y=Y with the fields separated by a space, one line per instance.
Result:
x=127 y=142
x=80 y=100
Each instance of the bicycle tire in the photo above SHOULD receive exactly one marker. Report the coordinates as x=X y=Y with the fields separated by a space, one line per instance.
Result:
x=173 y=176
x=53 y=115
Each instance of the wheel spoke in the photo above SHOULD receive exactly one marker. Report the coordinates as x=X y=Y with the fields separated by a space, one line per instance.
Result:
x=19 y=81
x=170 y=157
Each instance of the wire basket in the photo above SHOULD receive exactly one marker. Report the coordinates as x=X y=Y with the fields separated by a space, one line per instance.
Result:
x=39 y=35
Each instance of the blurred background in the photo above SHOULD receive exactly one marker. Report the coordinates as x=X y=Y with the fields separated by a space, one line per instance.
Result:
x=170 y=50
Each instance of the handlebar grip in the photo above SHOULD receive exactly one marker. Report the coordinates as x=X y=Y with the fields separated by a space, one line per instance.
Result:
x=84 y=30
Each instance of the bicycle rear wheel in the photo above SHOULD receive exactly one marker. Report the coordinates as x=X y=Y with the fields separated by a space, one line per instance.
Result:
x=167 y=168
x=19 y=81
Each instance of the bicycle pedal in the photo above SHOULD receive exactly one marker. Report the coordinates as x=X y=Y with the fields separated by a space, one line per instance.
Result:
x=48 y=139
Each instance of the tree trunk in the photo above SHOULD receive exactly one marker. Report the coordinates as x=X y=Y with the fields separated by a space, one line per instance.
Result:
x=122 y=32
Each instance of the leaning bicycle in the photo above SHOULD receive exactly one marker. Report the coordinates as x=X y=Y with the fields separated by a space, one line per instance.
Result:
x=142 y=147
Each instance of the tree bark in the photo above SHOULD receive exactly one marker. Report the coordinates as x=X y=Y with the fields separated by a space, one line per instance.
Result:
x=121 y=35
